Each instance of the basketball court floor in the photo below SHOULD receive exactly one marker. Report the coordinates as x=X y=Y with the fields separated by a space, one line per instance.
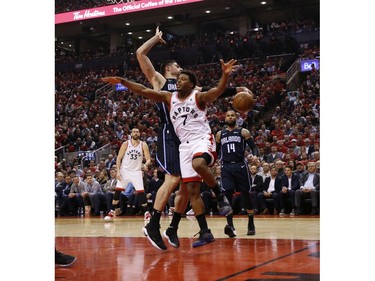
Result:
x=284 y=248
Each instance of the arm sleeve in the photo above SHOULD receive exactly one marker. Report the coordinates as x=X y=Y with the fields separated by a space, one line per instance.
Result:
x=218 y=149
x=228 y=92
x=253 y=146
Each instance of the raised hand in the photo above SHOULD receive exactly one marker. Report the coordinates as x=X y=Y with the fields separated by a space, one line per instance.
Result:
x=159 y=34
x=227 y=67
x=111 y=80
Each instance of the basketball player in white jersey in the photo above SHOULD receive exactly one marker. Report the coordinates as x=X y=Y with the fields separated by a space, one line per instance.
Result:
x=129 y=165
x=197 y=149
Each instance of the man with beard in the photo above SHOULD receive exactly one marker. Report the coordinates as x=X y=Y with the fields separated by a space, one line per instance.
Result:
x=129 y=165
x=231 y=143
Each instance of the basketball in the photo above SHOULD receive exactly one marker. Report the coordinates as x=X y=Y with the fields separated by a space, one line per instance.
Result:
x=243 y=102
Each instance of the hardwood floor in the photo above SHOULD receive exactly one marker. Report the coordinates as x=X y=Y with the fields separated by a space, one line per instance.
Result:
x=284 y=248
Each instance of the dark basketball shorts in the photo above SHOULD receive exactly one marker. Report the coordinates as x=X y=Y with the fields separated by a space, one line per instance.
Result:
x=167 y=154
x=235 y=176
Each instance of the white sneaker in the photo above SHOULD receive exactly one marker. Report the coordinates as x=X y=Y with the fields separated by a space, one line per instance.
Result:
x=110 y=216
x=147 y=216
x=190 y=212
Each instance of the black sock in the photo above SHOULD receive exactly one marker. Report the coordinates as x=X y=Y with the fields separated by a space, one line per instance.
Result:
x=155 y=217
x=251 y=220
x=175 y=220
x=202 y=221
x=230 y=219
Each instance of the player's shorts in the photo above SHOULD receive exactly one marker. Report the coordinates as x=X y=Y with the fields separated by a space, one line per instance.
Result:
x=235 y=176
x=193 y=148
x=135 y=177
x=167 y=154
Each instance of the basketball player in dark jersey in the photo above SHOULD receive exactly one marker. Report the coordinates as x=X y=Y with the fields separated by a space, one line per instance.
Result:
x=231 y=144
x=168 y=142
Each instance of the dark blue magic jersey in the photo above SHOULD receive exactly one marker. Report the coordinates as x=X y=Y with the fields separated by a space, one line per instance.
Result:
x=167 y=154
x=232 y=146
x=170 y=86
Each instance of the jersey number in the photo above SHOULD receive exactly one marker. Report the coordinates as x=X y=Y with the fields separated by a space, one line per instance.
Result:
x=133 y=156
x=231 y=147
x=185 y=117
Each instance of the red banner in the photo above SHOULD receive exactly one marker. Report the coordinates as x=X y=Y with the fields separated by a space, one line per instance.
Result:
x=118 y=9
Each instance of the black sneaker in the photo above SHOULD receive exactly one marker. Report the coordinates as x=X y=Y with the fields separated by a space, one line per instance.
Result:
x=251 y=230
x=230 y=231
x=205 y=237
x=171 y=235
x=153 y=235
x=63 y=260
x=224 y=206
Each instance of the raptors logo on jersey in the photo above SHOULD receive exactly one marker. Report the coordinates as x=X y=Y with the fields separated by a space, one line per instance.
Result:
x=133 y=157
x=189 y=121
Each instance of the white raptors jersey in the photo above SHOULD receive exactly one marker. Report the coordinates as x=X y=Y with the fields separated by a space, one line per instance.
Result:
x=189 y=121
x=133 y=157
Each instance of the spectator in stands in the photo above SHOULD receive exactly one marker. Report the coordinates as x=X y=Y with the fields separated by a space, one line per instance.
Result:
x=300 y=169
x=256 y=182
x=91 y=195
x=109 y=190
x=271 y=189
x=279 y=164
x=265 y=172
x=262 y=155
x=75 y=200
x=310 y=188
x=154 y=185
x=64 y=210
x=274 y=154
x=110 y=161
x=295 y=149
x=290 y=184
x=309 y=148
x=89 y=144
x=59 y=187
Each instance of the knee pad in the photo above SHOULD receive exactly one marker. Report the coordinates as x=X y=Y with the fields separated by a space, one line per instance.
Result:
x=210 y=159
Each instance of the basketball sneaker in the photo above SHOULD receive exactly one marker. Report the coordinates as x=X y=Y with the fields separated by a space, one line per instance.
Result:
x=110 y=216
x=63 y=260
x=251 y=230
x=205 y=237
x=224 y=206
x=171 y=235
x=153 y=235
x=230 y=231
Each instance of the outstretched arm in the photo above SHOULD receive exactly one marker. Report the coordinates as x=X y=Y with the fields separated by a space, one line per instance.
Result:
x=212 y=94
x=155 y=78
x=159 y=96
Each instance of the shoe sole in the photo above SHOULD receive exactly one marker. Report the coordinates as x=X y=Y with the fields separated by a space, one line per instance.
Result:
x=108 y=219
x=207 y=242
x=66 y=265
x=144 y=230
x=169 y=240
